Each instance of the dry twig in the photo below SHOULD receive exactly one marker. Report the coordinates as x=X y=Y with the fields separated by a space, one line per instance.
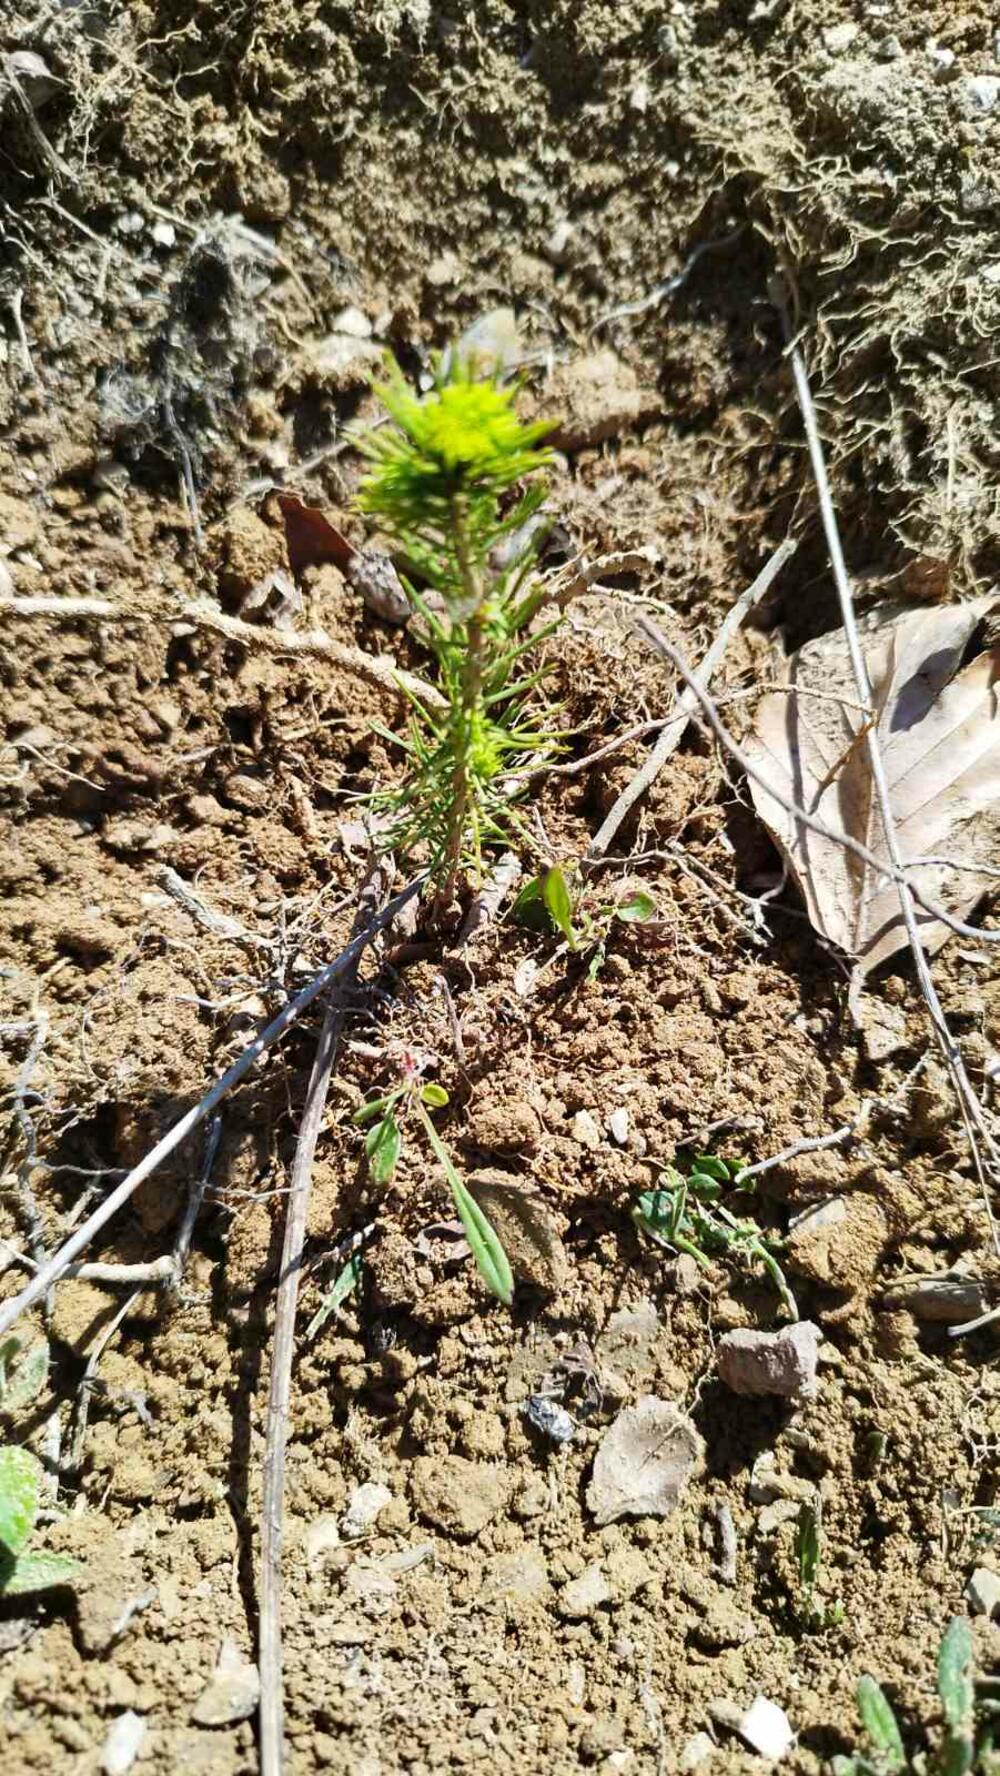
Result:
x=367 y=922
x=979 y=1135
x=686 y=704
x=70 y=1250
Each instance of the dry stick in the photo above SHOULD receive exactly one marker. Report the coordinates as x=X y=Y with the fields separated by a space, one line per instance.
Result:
x=71 y=1249
x=686 y=704
x=272 y=1709
x=972 y=1115
x=376 y=668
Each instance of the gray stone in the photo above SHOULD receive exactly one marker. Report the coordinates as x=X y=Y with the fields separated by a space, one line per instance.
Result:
x=231 y=1694
x=363 y=1508
x=582 y=1596
x=644 y=1462
x=782 y=1363
x=983 y=1592
x=981 y=92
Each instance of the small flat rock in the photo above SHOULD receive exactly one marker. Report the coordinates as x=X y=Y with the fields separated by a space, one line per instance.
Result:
x=458 y=1495
x=321 y=1536
x=583 y=1595
x=353 y=322
x=123 y=1743
x=781 y=1363
x=983 y=1592
x=626 y=1344
x=981 y=92
x=363 y=1508
x=618 y=1126
x=767 y=1729
x=883 y=1029
x=837 y=38
x=695 y=1752
x=644 y=1462
x=584 y=1130
x=232 y=1692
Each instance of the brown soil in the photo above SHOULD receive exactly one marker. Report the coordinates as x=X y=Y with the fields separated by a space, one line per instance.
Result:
x=423 y=168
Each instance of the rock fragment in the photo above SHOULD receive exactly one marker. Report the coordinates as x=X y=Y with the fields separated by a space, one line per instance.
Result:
x=363 y=1508
x=644 y=1462
x=583 y=1595
x=983 y=1592
x=782 y=1363
x=232 y=1692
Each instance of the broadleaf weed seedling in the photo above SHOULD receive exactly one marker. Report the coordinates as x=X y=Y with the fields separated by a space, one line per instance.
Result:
x=385 y=1118
x=557 y=898
x=685 y=1214
x=438 y=484
x=20 y=1496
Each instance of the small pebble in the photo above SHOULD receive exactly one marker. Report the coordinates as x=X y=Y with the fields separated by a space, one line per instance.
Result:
x=767 y=1728
x=548 y=1417
x=982 y=92
x=696 y=1752
x=584 y=1129
x=983 y=1592
x=618 y=1126
x=837 y=38
x=231 y=1694
x=353 y=322
x=782 y=1363
x=582 y=1596
x=123 y=1743
x=363 y=1508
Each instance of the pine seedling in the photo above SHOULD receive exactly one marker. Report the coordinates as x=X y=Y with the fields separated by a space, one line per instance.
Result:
x=444 y=485
x=815 y=1613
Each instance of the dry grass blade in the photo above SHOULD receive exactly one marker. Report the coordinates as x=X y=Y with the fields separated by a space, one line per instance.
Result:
x=938 y=728
x=366 y=924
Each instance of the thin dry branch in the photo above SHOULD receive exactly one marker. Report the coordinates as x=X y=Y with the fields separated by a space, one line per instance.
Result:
x=376 y=669
x=686 y=704
x=272 y=1709
x=979 y=1135
x=70 y=1250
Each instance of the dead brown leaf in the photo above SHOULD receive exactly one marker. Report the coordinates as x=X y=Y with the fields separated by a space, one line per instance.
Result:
x=938 y=728
x=525 y=1226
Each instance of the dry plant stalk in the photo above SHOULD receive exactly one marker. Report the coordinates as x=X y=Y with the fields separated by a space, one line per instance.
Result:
x=56 y=1266
x=366 y=924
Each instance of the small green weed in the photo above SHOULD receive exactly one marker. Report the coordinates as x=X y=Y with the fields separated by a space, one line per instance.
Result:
x=815 y=1613
x=557 y=898
x=385 y=1118
x=969 y=1707
x=20 y=1491
x=22 y=1375
x=439 y=486
x=685 y=1214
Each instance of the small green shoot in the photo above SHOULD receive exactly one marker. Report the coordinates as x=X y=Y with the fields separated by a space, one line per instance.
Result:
x=22 y=1378
x=685 y=1215
x=558 y=897
x=345 y=1283
x=966 y=1747
x=20 y=1491
x=808 y=1556
x=383 y=1144
x=439 y=484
